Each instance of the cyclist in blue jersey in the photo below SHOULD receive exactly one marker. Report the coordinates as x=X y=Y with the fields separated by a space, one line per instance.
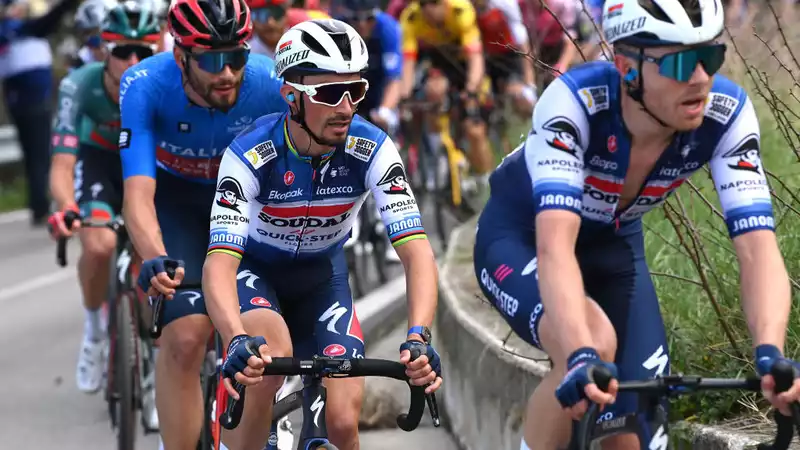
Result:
x=559 y=248
x=381 y=32
x=289 y=189
x=179 y=111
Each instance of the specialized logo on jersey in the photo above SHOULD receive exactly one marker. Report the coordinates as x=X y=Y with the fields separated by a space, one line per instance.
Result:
x=230 y=194
x=309 y=227
x=746 y=154
x=721 y=107
x=360 y=148
x=394 y=180
x=261 y=154
x=565 y=135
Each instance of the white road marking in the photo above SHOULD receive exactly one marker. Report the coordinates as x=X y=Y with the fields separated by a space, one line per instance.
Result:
x=36 y=283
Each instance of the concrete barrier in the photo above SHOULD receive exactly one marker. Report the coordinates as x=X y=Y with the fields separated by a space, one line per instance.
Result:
x=490 y=373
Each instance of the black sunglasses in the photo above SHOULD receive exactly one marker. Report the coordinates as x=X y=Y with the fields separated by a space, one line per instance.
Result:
x=126 y=50
x=215 y=61
x=263 y=14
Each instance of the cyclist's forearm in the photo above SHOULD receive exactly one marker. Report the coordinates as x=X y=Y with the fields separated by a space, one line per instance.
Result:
x=421 y=281
x=528 y=76
x=139 y=211
x=391 y=95
x=766 y=292
x=561 y=288
x=475 y=71
x=407 y=83
x=222 y=301
x=567 y=54
x=62 y=184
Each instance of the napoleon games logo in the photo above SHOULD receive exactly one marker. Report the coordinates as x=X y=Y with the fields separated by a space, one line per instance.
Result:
x=565 y=135
x=230 y=194
x=746 y=154
x=394 y=180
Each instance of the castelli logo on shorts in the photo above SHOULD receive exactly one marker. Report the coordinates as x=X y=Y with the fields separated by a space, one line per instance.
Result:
x=334 y=350
x=260 y=301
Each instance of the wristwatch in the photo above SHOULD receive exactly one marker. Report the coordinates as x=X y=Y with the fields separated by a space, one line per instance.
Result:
x=425 y=332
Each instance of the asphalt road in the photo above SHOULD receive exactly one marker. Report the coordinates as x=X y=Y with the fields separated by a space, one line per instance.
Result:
x=40 y=332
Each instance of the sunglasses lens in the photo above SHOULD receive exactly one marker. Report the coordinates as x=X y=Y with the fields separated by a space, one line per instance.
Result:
x=681 y=65
x=332 y=94
x=125 y=51
x=215 y=62
x=264 y=14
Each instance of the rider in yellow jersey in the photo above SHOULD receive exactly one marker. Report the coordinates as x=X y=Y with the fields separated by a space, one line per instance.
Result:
x=447 y=33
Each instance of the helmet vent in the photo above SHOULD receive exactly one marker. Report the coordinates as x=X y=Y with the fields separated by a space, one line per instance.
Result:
x=342 y=42
x=194 y=21
x=693 y=10
x=654 y=10
x=313 y=44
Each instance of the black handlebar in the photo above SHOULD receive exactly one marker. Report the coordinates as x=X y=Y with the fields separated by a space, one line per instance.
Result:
x=676 y=385
x=339 y=368
x=69 y=218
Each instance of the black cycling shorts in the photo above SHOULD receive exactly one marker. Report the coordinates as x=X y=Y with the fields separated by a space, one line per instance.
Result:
x=98 y=183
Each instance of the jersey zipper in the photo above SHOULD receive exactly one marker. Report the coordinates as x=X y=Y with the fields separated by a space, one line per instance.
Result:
x=314 y=166
x=660 y=162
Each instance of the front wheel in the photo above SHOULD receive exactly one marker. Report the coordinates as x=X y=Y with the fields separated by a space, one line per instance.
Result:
x=124 y=368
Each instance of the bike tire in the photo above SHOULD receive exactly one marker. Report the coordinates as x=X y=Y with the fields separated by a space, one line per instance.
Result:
x=442 y=198
x=124 y=374
x=209 y=383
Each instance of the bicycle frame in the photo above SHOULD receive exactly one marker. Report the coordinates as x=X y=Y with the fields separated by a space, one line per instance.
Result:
x=455 y=157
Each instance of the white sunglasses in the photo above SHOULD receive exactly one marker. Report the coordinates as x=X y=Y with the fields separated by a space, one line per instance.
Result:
x=332 y=94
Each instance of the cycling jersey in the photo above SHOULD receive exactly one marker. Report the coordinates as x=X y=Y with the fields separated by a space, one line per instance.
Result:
x=576 y=159
x=458 y=34
x=577 y=155
x=86 y=113
x=162 y=128
x=501 y=27
x=275 y=206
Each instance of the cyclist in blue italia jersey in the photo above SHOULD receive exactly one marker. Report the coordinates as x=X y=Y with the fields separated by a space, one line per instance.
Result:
x=289 y=189
x=565 y=264
x=381 y=32
x=179 y=112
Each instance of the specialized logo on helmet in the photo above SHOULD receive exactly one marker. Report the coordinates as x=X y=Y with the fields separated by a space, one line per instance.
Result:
x=230 y=194
x=291 y=59
x=625 y=29
x=394 y=180
x=565 y=135
x=746 y=154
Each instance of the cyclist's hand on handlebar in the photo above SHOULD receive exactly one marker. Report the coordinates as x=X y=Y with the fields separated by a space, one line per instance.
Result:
x=579 y=383
x=426 y=369
x=57 y=225
x=153 y=277
x=766 y=356
x=242 y=362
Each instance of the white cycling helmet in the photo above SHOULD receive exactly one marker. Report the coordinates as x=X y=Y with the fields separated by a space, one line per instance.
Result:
x=91 y=14
x=662 y=22
x=321 y=46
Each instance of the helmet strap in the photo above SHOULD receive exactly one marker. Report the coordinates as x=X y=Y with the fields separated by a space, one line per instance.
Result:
x=637 y=92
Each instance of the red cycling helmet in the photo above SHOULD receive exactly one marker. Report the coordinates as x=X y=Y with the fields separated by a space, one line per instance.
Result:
x=256 y=4
x=209 y=23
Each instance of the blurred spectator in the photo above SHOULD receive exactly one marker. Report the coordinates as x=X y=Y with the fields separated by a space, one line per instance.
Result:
x=552 y=43
x=396 y=7
x=271 y=18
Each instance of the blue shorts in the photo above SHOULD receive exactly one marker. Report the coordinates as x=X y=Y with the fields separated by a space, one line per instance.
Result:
x=184 y=215
x=314 y=298
x=615 y=275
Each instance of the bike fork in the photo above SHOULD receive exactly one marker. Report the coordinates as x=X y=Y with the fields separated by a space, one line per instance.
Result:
x=314 y=432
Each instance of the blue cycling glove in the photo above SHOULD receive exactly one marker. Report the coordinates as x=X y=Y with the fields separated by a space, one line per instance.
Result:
x=153 y=267
x=425 y=349
x=767 y=355
x=581 y=365
x=239 y=353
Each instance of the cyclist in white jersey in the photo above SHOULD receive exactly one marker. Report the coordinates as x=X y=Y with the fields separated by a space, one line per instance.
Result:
x=289 y=188
x=564 y=262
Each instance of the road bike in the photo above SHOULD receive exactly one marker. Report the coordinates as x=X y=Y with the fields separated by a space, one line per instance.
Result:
x=130 y=376
x=652 y=414
x=312 y=398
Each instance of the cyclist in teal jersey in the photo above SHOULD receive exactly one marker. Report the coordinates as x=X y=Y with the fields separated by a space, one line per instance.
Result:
x=85 y=173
